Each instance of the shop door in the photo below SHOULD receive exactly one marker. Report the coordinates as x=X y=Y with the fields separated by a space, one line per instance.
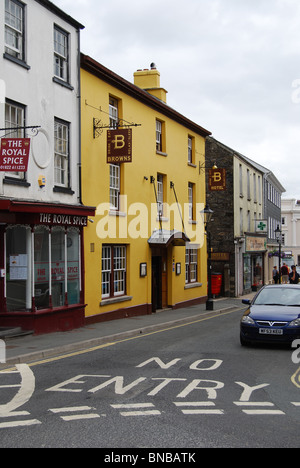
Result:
x=159 y=282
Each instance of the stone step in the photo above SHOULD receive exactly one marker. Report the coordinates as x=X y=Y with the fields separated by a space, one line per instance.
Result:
x=13 y=332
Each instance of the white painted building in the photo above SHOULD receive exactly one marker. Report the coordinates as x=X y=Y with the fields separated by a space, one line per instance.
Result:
x=290 y=214
x=41 y=215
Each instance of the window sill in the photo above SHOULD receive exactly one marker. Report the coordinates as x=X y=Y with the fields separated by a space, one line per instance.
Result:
x=117 y=213
x=66 y=190
x=192 y=165
x=193 y=285
x=161 y=153
x=115 y=300
x=17 y=61
x=18 y=182
x=62 y=83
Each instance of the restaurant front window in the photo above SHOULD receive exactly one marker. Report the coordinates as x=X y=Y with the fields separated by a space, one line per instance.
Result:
x=42 y=263
x=18 y=284
x=41 y=267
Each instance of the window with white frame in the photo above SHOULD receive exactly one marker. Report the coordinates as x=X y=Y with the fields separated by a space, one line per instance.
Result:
x=158 y=135
x=61 y=153
x=15 y=119
x=61 y=54
x=191 y=200
x=114 y=169
x=14 y=29
x=190 y=150
x=160 y=194
x=114 y=186
x=113 y=271
x=191 y=265
x=113 y=113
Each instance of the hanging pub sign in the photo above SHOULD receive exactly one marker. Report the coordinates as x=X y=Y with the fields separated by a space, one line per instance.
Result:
x=119 y=146
x=217 y=180
x=14 y=154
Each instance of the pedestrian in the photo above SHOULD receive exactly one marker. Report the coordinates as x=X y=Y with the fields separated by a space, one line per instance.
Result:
x=285 y=274
x=275 y=275
x=294 y=276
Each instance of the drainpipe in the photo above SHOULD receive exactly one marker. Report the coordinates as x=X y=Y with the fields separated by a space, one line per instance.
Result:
x=79 y=122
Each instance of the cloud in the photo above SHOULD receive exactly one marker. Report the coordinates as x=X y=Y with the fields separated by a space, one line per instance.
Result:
x=229 y=65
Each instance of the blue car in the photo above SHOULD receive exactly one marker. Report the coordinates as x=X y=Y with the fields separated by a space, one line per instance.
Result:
x=273 y=316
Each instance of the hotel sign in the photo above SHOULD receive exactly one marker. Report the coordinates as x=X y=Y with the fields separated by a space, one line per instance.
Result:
x=14 y=154
x=119 y=146
x=217 y=180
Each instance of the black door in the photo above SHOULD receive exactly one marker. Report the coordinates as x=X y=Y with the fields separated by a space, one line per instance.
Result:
x=156 y=283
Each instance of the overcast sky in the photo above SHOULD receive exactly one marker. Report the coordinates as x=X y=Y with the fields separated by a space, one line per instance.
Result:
x=231 y=66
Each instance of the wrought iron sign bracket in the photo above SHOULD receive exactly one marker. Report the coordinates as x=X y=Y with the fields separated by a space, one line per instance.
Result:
x=33 y=128
x=98 y=126
x=203 y=168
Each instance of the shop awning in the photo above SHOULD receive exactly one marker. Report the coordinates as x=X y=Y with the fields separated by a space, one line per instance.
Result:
x=164 y=238
x=20 y=206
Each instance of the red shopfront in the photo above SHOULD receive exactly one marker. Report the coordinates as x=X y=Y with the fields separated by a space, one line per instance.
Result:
x=42 y=265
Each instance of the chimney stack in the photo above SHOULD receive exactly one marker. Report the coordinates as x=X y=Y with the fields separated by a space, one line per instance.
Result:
x=149 y=80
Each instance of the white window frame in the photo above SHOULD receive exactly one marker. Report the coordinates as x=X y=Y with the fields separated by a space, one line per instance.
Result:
x=191 y=266
x=114 y=186
x=61 y=54
x=160 y=194
x=158 y=135
x=191 y=200
x=61 y=153
x=114 y=271
x=190 y=150
x=15 y=121
x=14 y=28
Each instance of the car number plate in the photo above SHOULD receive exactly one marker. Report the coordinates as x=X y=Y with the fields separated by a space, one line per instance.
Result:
x=270 y=331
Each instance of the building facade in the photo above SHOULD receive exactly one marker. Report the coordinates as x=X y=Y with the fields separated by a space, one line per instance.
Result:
x=42 y=218
x=290 y=227
x=246 y=214
x=145 y=250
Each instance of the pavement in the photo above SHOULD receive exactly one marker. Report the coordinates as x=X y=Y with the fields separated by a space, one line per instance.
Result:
x=29 y=348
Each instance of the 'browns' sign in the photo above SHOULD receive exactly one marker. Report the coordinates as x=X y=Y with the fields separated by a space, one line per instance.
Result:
x=14 y=154
x=119 y=146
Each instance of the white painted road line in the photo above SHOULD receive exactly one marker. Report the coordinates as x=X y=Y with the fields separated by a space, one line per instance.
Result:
x=10 y=424
x=201 y=404
x=137 y=406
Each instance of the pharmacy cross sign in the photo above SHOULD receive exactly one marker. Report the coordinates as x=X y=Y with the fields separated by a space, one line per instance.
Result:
x=261 y=226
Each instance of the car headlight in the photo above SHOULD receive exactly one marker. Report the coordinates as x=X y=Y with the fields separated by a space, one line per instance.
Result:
x=248 y=320
x=295 y=323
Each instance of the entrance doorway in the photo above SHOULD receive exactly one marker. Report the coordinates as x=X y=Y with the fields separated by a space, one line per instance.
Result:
x=159 y=281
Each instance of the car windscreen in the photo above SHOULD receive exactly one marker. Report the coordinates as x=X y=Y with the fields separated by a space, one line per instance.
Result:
x=278 y=296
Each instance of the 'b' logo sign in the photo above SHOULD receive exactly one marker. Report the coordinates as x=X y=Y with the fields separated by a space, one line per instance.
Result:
x=217 y=180
x=119 y=146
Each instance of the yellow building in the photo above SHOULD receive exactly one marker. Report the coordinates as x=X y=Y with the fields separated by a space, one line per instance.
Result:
x=142 y=168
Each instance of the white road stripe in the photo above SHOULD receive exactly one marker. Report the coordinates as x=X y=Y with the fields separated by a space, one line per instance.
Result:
x=11 y=424
x=77 y=417
x=264 y=412
x=141 y=413
x=70 y=410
